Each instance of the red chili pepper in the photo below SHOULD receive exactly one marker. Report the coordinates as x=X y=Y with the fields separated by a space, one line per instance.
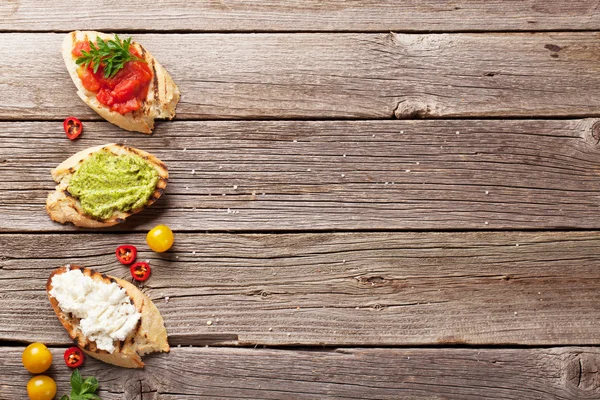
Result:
x=126 y=254
x=140 y=271
x=74 y=357
x=73 y=127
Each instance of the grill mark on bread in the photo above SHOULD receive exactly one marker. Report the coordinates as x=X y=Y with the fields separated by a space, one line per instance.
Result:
x=138 y=326
x=161 y=165
x=154 y=81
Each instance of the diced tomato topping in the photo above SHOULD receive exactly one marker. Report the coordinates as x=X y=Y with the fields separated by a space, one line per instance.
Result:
x=84 y=45
x=124 y=108
x=123 y=92
x=88 y=79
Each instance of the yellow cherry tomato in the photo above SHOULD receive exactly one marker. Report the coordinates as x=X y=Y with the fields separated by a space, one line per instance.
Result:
x=36 y=358
x=41 y=387
x=160 y=238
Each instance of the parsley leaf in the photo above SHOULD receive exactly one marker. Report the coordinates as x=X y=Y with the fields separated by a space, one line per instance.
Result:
x=110 y=54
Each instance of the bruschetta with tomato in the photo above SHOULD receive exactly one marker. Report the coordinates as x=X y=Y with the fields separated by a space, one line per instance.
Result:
x=120 y=80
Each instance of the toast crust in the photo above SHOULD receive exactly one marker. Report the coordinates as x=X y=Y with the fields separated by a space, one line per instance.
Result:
x=161 y=101
x=150 y=334
x=63 y=208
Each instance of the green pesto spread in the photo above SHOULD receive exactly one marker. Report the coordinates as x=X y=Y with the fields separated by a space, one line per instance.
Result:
x=105 y=183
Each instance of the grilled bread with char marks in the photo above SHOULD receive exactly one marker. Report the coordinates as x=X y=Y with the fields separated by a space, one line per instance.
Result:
x=148 y=336
x=63 y=207
x=163 y=94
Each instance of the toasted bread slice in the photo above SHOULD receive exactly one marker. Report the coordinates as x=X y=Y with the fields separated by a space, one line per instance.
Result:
x=162 y=98
x=148 y=336
x=63 y=207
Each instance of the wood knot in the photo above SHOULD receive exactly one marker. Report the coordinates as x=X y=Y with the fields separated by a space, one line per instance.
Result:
x=553 y=47
x=371 y=280
x=411 y=109
x=261 y=293
x=581 y=374
x=596 y=132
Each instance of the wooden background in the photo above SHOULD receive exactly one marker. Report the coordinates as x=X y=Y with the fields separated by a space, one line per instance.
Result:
x=371 y=199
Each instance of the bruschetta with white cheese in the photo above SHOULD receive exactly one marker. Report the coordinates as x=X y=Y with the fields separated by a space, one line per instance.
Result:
x=108 y=318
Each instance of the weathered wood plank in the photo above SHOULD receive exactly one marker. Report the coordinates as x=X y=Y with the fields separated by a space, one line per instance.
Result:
x=332 y=289
x=227 y=373
x=332 y=75
x=293 y=175
x=301 y=15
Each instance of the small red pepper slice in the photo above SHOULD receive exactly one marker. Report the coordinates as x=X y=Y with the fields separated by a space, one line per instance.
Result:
x=73 y=127
x=140 y=271
x=74 y=357
x=126 y=254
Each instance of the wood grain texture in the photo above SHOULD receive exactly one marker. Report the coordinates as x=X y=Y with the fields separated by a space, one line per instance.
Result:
x=278 y=176
x=226 y=373
x=331 y=289
x=301 y=15
x=332 y=75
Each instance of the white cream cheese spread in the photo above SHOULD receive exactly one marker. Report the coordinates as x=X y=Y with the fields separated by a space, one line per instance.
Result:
x=104 y=309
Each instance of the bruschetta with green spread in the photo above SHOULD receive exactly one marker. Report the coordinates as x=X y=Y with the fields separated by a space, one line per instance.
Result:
x=102 y=186
x=119 y=79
